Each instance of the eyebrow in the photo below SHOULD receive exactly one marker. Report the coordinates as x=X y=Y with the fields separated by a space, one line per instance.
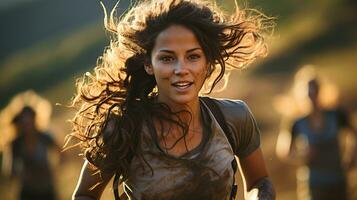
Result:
x=190 y=50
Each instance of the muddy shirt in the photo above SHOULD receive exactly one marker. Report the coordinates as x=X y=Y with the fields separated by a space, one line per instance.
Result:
x=202 y=173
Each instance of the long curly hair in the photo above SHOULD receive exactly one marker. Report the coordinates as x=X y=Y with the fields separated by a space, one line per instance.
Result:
x=117 y=99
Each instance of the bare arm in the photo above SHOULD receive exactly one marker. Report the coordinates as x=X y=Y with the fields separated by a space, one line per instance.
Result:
x=352 y=160
x=286 y=147
x=283 y=144
x=256 y=177
x=90 y=186
x=349 y=148
x=8 y=167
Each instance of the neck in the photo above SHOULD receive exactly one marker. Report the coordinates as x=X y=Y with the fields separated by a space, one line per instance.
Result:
x=315 y=107
x=31 y=131
x=193 y=118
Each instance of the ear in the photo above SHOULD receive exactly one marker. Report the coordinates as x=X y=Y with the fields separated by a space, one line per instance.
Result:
x=148 y=68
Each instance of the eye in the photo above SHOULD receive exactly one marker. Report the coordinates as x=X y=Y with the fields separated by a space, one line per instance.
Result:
x=194 y=57
x=166 y=59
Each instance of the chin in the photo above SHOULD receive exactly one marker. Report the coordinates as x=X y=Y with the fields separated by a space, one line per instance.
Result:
x=182 y=99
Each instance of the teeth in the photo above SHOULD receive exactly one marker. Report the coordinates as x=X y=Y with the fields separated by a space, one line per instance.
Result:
x=182 y=84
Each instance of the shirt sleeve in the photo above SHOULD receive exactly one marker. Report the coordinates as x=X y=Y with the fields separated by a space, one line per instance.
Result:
x=47 y=139
x=243 y=126
x=343 y=118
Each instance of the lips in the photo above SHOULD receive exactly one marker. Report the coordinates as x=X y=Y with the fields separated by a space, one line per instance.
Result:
x=182 y=84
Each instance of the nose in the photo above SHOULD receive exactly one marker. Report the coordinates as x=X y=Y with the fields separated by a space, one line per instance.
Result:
x=181 y=67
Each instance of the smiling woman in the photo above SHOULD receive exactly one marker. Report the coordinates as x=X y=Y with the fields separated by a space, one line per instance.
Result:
x=140 y=117
x=179 y=66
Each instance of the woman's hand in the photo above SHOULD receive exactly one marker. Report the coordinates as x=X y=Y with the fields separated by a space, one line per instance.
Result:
x=252 y=194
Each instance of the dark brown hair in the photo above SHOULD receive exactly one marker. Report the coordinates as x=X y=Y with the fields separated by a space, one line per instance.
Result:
x=117 y=99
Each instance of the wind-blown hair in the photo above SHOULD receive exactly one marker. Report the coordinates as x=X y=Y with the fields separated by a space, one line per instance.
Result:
x=117 y=99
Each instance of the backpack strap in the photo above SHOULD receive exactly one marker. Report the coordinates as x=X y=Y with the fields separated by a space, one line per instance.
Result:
x=218 y=115
x=116 y=182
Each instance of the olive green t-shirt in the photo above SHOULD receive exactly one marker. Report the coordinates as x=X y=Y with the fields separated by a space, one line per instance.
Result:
x=202 y=173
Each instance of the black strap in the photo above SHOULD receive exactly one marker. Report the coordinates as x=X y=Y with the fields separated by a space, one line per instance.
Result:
x=116 y=182
x=218 y=115
x=234 y=186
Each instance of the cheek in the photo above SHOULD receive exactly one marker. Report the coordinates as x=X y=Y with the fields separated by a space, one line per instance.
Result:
x=201 y=71
x=161 y=71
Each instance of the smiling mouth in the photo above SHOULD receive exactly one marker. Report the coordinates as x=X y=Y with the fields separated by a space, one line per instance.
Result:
x=182 y=85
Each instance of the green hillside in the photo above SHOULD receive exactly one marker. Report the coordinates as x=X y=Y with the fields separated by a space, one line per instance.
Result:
x=47 y=44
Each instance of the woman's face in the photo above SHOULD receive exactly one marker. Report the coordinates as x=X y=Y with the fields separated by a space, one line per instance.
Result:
x=313 y=91
x=178 y=64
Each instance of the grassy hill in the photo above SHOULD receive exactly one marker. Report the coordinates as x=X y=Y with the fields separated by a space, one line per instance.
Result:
x=46 y=44
x=35 y=21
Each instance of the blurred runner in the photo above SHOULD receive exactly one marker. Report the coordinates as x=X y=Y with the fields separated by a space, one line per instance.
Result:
x=314 y=140
x=26 y=157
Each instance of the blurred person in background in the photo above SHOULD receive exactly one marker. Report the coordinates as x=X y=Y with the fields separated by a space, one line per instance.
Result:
x=141 y=118
x=314 y=142
x=26 y=157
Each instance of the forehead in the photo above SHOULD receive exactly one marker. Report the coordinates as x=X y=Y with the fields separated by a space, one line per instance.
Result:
x=176 y=38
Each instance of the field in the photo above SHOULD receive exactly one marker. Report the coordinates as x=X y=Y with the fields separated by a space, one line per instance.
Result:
x=46 y=45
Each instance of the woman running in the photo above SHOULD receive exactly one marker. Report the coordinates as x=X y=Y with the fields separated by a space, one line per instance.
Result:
x=141 y=118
